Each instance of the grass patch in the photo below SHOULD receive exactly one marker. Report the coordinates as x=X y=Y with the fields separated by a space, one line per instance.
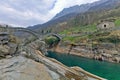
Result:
x=79 y=29
x=117 y=22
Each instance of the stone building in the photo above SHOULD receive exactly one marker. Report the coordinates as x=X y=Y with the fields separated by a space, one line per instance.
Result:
x=105 y=25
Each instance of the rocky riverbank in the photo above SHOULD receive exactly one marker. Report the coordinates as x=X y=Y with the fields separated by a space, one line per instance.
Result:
x=21 y=68
x=29 y=62
x=102 y=54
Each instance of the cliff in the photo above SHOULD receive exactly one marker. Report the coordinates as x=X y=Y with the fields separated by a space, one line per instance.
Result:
x=103 y=52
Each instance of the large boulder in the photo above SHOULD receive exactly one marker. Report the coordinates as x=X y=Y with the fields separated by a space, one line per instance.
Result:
x=20 y=68
x=4 y=50
x=38 y=45
x=8 y=49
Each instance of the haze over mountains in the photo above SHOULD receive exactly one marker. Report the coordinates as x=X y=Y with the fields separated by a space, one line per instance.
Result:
x=96 y=11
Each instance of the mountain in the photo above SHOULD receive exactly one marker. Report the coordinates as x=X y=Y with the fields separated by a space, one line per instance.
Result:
x=67 y=13
x=75 y=9
x=53 y=22
x=108 y=4
x=80 y=15
x=102 y=4
x=78 y=9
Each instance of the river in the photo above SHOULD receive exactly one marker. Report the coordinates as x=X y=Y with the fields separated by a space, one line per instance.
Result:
x=110 y=71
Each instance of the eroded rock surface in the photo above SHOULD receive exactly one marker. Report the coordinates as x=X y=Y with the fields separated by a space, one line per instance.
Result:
x=20 y=68
x=30 y=63
x=8 y=49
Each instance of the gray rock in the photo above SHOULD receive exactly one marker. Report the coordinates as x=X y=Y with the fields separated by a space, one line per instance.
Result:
x=4 y=50
x=20 y=68
x=31 y=64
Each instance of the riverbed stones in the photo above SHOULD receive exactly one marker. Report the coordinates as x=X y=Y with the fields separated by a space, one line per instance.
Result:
x=99 y=57
x=117 y=59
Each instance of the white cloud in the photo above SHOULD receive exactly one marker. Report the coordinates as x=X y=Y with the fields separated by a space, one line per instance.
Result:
x=31 y=12
x=25 y=12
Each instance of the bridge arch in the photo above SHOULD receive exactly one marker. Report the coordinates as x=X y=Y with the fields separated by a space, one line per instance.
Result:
x=14 y=29
x=28 y=31
x=23 y=39
x=54 y=35
x=52 y=41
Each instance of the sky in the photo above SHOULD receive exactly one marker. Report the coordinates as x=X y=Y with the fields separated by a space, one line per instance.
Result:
x=23 y=13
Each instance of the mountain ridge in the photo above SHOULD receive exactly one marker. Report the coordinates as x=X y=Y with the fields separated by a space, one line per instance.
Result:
x=103 y=7
x=67 y=11
x=79 y=8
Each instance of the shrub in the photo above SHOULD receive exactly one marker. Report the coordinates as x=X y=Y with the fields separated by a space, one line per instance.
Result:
x=51 y=41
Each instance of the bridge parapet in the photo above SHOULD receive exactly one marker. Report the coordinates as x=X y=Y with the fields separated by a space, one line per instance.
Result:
x=37 y=35
x=14 y=29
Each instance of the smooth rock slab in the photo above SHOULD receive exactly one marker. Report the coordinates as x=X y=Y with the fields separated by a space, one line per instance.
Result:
x=20 y=68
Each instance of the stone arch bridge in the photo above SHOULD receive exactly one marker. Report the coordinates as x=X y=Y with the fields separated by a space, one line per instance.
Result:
x=37 y=35
x=14 y=29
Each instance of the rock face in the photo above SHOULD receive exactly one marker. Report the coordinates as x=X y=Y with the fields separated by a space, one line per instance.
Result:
x=30 y=63
x=20 y=68
x=7 y=49
x=4 y=49
x=104 y=52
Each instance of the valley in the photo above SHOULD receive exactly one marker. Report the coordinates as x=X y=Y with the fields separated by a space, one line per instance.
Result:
x=93 y=33
x=81 y=42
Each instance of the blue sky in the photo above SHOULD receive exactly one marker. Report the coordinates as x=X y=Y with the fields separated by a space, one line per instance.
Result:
x=31 y=12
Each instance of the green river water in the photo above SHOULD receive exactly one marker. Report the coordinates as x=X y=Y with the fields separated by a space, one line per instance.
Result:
x=110 y=71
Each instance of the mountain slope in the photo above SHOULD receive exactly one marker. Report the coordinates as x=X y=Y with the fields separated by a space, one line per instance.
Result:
x=93 y=13
x=53 y=22
x=79 y=9
x=67 y=13
x=108 y=4
x=74 y=9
